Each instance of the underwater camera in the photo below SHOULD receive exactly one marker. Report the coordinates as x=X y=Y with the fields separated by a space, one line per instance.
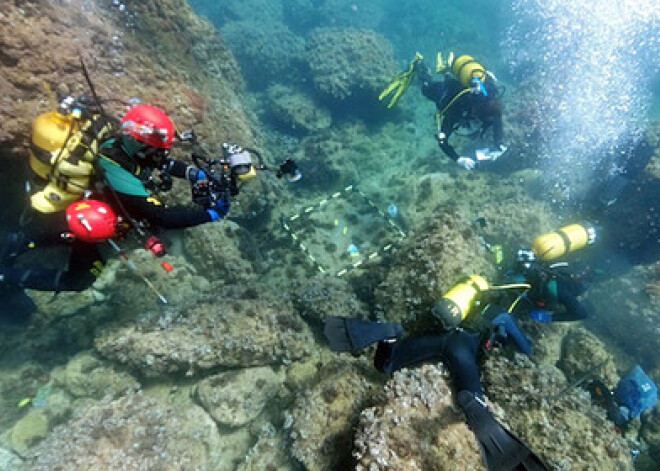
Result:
x=289 y=168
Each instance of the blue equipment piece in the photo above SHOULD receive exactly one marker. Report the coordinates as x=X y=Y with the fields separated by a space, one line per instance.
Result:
x=636 y=392
x=506 y=326
x=541 y=316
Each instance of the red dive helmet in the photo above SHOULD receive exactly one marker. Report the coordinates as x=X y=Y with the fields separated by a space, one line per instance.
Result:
x=150 y=125
x=91 y=221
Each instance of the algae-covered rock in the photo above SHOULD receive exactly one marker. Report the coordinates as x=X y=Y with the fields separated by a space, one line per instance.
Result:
x=235 y=398
x=28 y=431
x=429 y=263
x=269 y=452
x=349 y=63
x=416 y=426
x=323 y=416
x=324 y=296
x=222 y=252
x=296 y=111
x=88 y=376
x=559 y=423
x=252 y=328
x=133 y=432
x=583 y=352
x=267 y=51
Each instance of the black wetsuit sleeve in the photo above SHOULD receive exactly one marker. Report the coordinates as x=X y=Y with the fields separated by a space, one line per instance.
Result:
x=160 y=215
x=567 y=295
x=177 y=169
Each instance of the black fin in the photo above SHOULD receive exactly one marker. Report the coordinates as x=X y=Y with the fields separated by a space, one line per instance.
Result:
x=346 y=334
x=501 y=449
x=16 y=307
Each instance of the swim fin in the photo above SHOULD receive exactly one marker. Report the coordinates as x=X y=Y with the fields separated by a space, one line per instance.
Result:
x=346 y=334
x=501 y=449
x=16 y=307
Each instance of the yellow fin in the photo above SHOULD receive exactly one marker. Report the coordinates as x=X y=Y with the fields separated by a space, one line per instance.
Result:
x=24 y=402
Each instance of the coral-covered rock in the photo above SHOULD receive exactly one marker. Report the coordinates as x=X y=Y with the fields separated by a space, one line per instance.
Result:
x=416 y=427
x=559 y=423
x=31 y=429
x=349 y=63
x=235 y=398
x=267 y=52
x=9 y=460
x=429 y=263
x=132 y=432
x=323 y=416
x=87 y=376
x=296 y=111
x=238 y=330
x=269 y=452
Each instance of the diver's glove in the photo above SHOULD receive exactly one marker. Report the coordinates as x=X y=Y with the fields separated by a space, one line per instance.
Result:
x=195 y=174
x=492 y=155
x=467 y=163
x=220 y=210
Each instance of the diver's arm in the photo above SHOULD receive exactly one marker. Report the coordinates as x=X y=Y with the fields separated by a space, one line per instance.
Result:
x=178 y=169
x=446 y=128
x=157 y=213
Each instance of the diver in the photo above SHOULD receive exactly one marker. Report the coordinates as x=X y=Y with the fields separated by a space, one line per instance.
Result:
x=554 y=290
x=116 y=168
x=467 y=97
x=461 y=350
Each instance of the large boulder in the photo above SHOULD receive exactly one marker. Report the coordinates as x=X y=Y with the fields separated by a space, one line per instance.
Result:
x=349 y=64
x=244 y=329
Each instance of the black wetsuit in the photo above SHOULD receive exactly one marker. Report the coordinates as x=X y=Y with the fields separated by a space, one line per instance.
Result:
x=556 y=291
x=470 y=106
x=458 y=349
x=85 y=259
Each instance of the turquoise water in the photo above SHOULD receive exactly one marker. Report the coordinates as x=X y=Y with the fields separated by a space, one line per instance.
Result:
x=234 y=370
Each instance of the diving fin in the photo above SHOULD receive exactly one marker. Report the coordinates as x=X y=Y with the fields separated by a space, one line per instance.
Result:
x=17 y=306
x=346 y=334
x=500 y=449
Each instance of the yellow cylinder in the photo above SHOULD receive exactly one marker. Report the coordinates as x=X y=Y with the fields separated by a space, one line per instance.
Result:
x=52 y=199
x=456 y=304
x=564 y=241
x=465 y=68
x=49 y=134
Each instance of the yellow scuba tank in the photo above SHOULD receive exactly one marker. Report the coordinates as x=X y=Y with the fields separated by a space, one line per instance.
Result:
x=62 y=156
x=465 y=68
x=455 y=305
x=564 y=241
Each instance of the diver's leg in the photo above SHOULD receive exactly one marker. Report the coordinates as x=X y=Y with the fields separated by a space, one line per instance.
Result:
x=457 y=349
x=84 y=263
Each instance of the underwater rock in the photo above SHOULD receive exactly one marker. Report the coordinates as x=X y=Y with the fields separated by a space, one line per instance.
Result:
x=296 y=111
x=582 y=351
x=559 y=423
x=235 y=398
x=222 y=252
x=237 y=10
x=9 y=460
x=428 y=264
x=133 y=432
x=416 y=425
x=18 y=382
x=349 y=63
x=86 y=376
x=324 y=296
x=267 y=52
x=253 y=328
x=323 y=416
x=270 y=452
x=31 y=429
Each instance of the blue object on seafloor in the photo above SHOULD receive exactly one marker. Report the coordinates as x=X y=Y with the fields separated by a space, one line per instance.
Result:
x=393 y=211
x=509 y=326
x=636 y=392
